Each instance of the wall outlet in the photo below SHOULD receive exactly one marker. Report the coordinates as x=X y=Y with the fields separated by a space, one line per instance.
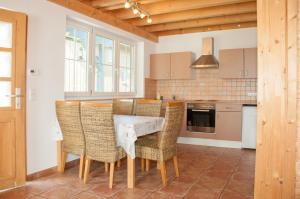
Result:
x=252 y=94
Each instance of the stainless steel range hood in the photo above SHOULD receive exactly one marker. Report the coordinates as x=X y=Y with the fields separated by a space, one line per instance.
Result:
x=207 y=59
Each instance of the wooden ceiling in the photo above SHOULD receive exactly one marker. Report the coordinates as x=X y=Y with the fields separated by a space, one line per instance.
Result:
x=170 y=17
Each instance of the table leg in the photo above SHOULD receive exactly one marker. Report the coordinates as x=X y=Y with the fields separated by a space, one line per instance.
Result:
x=59 y=155
x=130 y=172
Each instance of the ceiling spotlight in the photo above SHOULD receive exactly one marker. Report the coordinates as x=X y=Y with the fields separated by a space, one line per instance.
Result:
x=149 y=20
x=135 y=11
x=142 y=15
x=127 y=4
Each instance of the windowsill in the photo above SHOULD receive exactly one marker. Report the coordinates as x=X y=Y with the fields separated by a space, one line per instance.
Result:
x=101 y=97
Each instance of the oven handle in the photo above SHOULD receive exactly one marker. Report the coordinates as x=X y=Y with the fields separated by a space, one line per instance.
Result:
x=200 y=110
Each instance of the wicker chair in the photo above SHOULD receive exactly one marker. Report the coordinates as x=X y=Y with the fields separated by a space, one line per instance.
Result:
x=165 y=147
x=68 y=115
x=148 y=107
x=123 y=106
x=98 y=126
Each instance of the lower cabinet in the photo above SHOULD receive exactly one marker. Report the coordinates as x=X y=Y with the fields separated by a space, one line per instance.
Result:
x=228 y=122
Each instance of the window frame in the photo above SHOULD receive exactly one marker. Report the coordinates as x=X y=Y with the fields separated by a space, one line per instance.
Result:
x=88 y=29
x=92 y=33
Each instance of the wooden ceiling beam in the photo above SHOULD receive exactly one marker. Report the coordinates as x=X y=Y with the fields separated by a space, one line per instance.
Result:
x=202 y=22
x=208 y=28
x=201 y=13
x=121 y=5
x=104 y=17
x=174 y=6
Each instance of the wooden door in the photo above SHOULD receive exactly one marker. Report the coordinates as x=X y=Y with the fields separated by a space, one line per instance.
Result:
x=250 y=62
x=181 y=65
x=231 y=63
x=12 y=105
x=160 y=66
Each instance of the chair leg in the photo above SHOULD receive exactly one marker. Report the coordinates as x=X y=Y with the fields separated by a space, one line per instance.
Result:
x=111 y=174
x=175 y=162
x=157 y=165
x=64 y=158
x=142 y=164
x=119 y=163
x=81 y=167
x=163 y=172
x=106 y=167
x=147 y=165
x=87 y=170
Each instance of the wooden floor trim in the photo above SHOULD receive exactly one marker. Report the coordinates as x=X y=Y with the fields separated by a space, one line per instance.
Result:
x=50 y=171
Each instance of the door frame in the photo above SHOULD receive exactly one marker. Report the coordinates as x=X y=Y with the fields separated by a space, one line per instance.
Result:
x=20 y=82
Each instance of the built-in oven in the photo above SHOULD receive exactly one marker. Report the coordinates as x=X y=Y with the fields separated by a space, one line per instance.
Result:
x=201 y=117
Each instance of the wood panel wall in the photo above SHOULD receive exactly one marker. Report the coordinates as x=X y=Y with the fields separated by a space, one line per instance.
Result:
x=277 y=93
x=297 y=190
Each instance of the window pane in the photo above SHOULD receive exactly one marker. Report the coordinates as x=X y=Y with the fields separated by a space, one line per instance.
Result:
x=5 y=64
x=5 y=34
x=76 y=60
x=126 y=77
x=5 y=89
x=104 y=51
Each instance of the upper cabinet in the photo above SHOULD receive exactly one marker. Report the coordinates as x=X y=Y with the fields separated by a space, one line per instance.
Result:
x=238 y=63
x=171 y=65
x=160 y=66
x=250 y=61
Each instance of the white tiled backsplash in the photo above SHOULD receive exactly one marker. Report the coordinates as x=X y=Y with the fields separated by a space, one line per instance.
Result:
x=207 y=85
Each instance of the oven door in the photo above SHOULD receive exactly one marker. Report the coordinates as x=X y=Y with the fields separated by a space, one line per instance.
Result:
x=201 y=120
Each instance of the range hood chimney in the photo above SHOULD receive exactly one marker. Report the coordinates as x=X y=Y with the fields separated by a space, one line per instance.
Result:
x=207 y=59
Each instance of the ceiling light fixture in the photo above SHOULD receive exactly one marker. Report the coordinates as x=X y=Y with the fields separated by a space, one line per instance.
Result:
x=127 y=4
x=137 y=10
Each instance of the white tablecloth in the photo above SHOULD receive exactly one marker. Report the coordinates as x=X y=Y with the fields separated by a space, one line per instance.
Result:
x=128 y=128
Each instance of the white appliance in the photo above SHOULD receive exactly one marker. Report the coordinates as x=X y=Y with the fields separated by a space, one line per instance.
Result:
x=249 y=127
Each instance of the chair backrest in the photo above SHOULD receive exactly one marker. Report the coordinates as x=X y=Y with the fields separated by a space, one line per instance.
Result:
x=167 y=138
x=123 y=106
x=148 y=107
x=98 y=126
x=68 y=116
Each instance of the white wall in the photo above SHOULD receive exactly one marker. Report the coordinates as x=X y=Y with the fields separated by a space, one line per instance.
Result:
x=46 y=29
x=225 y=39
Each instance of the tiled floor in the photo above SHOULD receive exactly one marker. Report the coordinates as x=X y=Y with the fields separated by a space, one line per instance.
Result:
x=205 y=172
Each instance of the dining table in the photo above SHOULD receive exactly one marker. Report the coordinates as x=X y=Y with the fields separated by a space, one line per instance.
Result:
x=127 y=130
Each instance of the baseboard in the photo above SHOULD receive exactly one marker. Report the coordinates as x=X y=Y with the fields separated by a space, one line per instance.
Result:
x=50 y=171
x=209 y=142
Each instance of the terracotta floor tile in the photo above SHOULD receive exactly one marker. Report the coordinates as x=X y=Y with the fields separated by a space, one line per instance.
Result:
x=86 y=195
x=204 y=171
x=102 y=189
x=159 y=195
x=233 y=195
x=176 y=188
x=15 y=194
x=131 y=194
x=197 y=192
x=60 y=192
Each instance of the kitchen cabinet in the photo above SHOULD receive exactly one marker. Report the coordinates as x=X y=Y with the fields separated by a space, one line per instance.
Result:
x=250 y=61
x=181 y=65
x=238 y=63
x=171 y=66
x=228 y=121
x=231 y=63
x=160 y=66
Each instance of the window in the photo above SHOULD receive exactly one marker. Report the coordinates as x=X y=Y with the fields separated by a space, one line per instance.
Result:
x=98 y=64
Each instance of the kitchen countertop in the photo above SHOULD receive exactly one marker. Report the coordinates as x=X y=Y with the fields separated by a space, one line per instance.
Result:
x=251 y=102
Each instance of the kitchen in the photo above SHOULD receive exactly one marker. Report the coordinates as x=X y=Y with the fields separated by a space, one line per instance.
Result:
x=219 y=91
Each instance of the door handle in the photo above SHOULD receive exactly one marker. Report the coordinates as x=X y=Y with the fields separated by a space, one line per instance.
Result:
x=17 y=96
x=12 y=96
